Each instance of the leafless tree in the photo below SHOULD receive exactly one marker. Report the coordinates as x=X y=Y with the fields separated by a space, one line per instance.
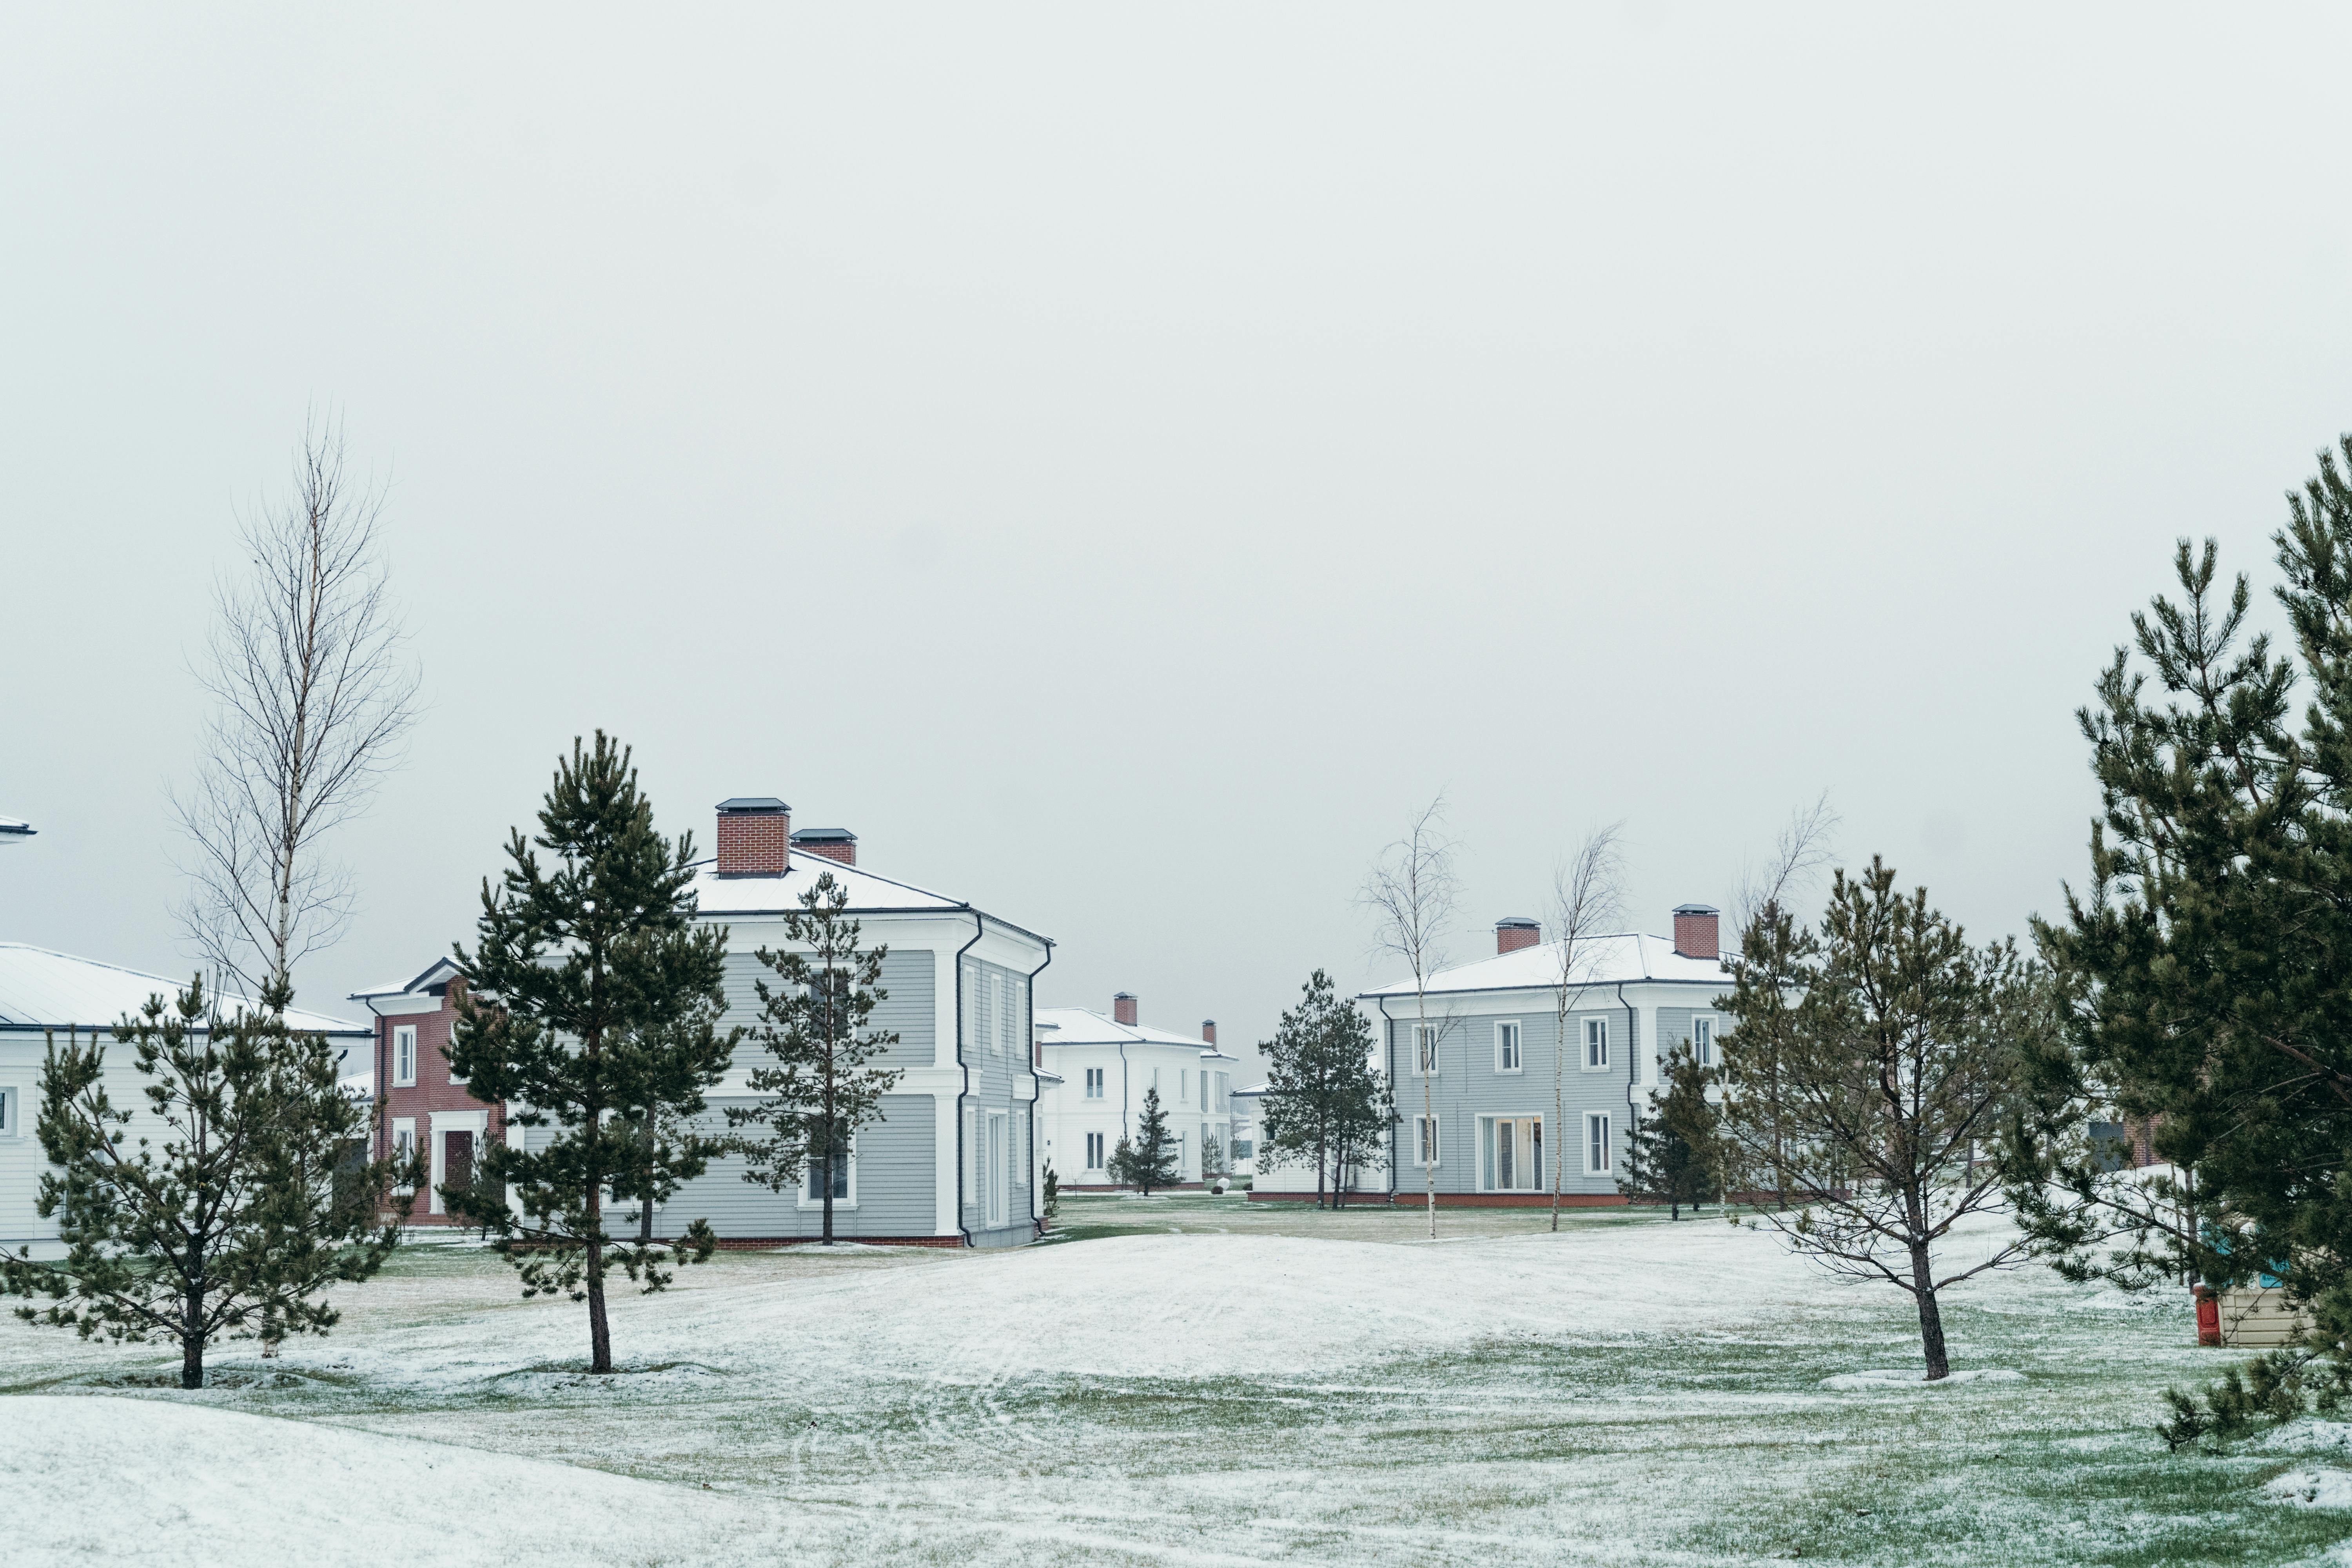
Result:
x=314 y=689
x=1774 y=946
x=1588 y=896
x=1411 y=891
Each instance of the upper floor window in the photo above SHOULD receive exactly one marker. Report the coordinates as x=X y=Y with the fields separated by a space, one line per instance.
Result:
x=1596 y=1044
x=1094 y=1083
x=1506 y=1047
x=1424 y=1050
x=9 y=1113
x=1184 y=1087
x=1703 y=1038
x=403 y=1055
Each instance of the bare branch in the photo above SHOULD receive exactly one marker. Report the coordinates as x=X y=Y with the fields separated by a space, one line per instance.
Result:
x=1805 y=845
x=314 y=690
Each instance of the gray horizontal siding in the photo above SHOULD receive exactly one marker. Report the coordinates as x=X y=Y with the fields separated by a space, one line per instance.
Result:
x=1467 y=1086
x=907 y=1011
x=895 y=1192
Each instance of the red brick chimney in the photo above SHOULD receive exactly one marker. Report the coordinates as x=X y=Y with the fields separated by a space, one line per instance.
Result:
x=1695 y=928
x=1209 y=1031
x=1122 y=1009
x=833 y=843
x=754 y=836
x=1515 y=932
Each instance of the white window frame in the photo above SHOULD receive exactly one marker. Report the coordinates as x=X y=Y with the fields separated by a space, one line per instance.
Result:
x=999 y=1015
x=1510 y=1046
x=809 y=1200
x=996 y=1169
x=1487 y=1124
x=1183 y=1086
x=1428 y=1139
x=404 y=1043
x=1706 y=1052
x=1097 y=1151
x=1426 y=1038
x=1599 y=1156
x=1094 y=1081
x=1596 y=1045
x=12 y=1110
x=403 y=1145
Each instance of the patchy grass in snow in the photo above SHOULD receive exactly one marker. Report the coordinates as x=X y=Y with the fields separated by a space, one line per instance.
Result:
x=1201 y=1379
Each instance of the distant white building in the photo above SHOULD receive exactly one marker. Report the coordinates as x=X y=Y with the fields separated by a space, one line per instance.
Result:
x=43 y=993
x=1106 y=1065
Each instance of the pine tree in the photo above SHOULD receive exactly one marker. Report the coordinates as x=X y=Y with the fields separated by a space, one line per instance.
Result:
x=228 y=1208
x=1150 y=1159
x=2205 y=986
x=591 y=1010
x=1686 y=1156
x=1323 y=1102
x=1053 y=1193
x=824 y=1086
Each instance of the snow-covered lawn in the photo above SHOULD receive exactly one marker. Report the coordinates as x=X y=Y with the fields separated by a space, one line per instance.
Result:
x=1186 y=1380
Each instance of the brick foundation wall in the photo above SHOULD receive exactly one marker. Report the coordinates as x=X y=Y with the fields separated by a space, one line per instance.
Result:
x=1460 y=1200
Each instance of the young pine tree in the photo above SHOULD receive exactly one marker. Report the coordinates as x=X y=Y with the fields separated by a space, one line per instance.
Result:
x=1323 y=1101
x=1149 y=1160
x=228 y=1207
x=1678 y=1157
x=1053 y=1193
x=824 y=1086
x=592 y=1010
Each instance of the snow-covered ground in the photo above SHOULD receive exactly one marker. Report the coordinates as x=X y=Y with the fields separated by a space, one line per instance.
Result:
x=1220 y=1384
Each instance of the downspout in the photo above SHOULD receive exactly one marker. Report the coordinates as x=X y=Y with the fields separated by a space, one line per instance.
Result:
x=381 y=1131
x=979 y=927
x=1632 y=1061
x=1388 y=1059
x=1123 y=1129
x=1036 y=1167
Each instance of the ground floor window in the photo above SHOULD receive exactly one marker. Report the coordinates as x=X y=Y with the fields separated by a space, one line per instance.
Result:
x=1093 y=1150
x=404 y=1147
x=1596 y=1145
x=822 y=1172
x=1511 y=1153
x=1425 y=1145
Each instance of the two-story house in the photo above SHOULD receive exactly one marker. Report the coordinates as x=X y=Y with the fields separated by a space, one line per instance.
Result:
x=1105 y=1065
x=954 y=1160
x=1480 y=1064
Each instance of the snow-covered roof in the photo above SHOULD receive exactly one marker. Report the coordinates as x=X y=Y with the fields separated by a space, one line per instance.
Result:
x=1619 y=958
x=1077 y=1027
x=45 y=990
x=868 y=893
x=14 y=831
x=439 y=972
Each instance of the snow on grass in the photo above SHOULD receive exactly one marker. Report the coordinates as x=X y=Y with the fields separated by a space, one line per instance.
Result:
x=122 y=1481
x=1916 y=1377
x=2312 y=1489
x=1277 y=1385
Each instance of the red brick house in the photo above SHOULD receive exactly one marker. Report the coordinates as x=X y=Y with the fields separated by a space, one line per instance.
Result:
x=421 y=1106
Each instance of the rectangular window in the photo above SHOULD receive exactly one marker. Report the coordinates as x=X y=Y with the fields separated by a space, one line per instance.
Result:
x=1425 y=1145
x=9 y=1113
x=1511 y=1153
x=1243 y=1149
x=1596 y=1146
x=1506 y=1047
x=1596 y=1044
x=1183 y=1086
x=403 y=1055
x=1703 y=1038
x=971 y=1020
x=842 y=1169
x=1000 y=1014
x=1424 y=1050
x=1205 y=1089
x=1094 y=1083
x=1093 y=1150
x=404 y=1146
x=998 y=1180
x=1155 y=1080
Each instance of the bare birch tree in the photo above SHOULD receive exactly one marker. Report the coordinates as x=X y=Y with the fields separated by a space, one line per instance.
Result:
x=1588 y=895
x=1411 y=891
x=314 y=688
x=1775 y=948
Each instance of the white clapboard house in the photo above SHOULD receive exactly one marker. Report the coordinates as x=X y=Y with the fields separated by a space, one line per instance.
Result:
x=1103 y=1065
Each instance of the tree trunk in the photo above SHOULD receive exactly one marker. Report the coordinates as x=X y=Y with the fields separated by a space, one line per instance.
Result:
x=1322 y=1163
x=1931 y=1321
x=192 y=1339
x=599 y=1332
x=645 y=1198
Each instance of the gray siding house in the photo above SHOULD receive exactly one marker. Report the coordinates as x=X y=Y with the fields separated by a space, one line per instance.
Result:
x=1472 y=1060
x=953 y=1162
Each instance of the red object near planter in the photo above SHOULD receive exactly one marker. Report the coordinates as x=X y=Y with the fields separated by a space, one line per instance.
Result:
x=2208 y=1317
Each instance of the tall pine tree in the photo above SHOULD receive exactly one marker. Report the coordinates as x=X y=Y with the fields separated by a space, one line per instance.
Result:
x=1672 y=1155
x=1149 y=1160
x=593 y=1011
x=228 y=1207
x=826 y=1084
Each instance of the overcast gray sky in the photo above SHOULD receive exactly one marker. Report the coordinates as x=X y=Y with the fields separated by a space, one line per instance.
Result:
x=1119 y=461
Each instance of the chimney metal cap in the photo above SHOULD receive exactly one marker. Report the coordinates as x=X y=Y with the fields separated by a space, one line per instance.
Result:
x=753 y=805
x=1696 y=910
x=1520 y=922
x=823 y=836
